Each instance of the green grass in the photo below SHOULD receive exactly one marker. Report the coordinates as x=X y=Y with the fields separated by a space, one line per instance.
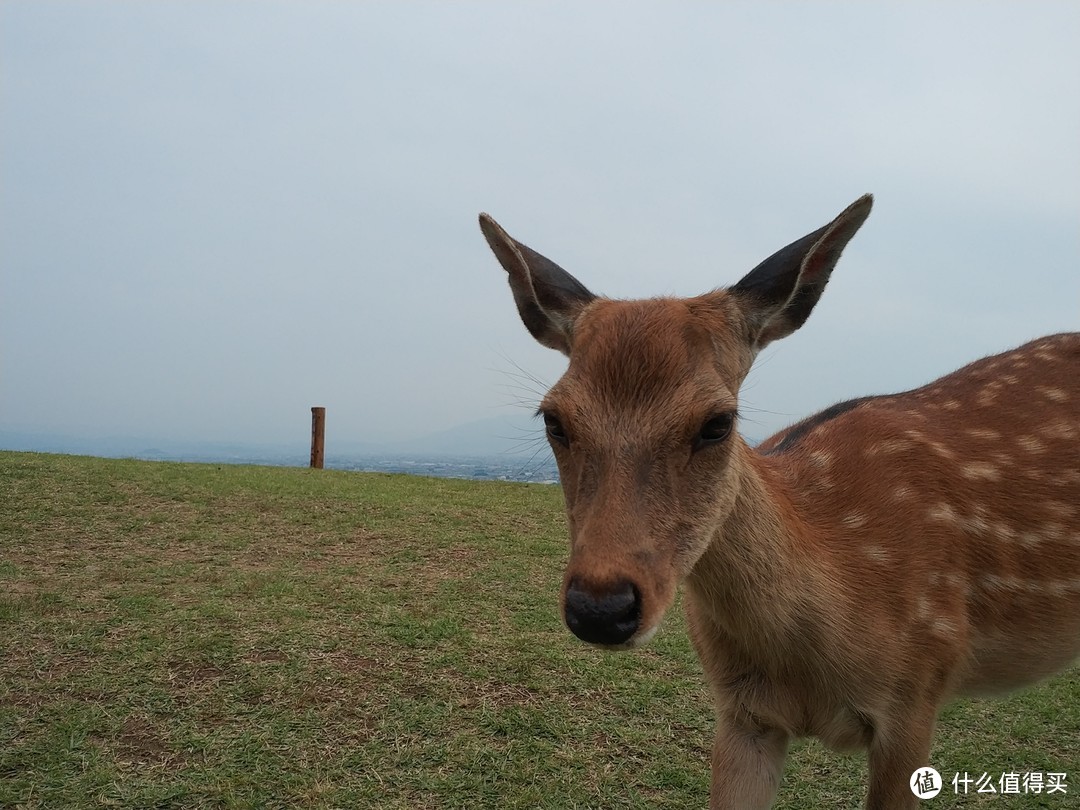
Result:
x=177 y=635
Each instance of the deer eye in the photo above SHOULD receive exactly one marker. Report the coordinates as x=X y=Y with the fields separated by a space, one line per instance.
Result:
x=555 y=429
x=715 y=430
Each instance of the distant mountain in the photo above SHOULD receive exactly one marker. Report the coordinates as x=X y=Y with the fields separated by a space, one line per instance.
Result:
x=150 y=448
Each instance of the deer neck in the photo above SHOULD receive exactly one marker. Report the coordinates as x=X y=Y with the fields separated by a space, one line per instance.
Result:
x=761 y=575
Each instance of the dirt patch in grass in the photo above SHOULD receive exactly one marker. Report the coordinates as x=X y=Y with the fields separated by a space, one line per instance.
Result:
x=187 y=674
x=140 y=742
x=266 y=657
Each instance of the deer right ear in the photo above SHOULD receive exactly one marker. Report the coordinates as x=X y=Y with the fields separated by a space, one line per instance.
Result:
x=778 y=295
x=548 y=298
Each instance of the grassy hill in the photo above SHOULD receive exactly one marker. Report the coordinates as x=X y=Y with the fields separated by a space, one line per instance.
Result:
x=180 y=635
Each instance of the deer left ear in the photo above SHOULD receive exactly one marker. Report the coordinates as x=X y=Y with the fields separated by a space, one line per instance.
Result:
x=548 y=298
x=778 y=295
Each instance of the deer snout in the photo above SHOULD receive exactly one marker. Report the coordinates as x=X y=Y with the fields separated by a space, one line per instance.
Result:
x=603 y=615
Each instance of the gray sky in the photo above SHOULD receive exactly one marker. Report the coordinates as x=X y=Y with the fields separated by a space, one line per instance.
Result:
x=215 y=215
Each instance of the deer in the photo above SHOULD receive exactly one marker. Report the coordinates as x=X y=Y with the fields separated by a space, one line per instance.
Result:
x=843 y=579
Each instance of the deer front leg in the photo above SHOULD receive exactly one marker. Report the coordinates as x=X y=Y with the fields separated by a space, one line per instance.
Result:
x=747 y=763
x=896 y=752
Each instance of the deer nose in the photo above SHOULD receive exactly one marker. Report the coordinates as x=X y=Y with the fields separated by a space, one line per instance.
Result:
x=608 y=617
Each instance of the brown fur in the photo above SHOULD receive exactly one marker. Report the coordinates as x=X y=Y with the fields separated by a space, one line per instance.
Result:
x=852 y=574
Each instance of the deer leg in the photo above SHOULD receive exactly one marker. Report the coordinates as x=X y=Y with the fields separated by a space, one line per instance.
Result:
x=747 y=764
x=895 y=754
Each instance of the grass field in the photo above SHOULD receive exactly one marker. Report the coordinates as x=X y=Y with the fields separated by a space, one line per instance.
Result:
x=176 y=635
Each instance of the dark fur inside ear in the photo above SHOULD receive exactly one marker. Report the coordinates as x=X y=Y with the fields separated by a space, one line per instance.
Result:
x=780 y=293
x=548 y=298
x=774 y=280
x=556 y=290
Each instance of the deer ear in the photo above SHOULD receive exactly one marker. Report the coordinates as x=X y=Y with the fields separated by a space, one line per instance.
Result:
x=778 y=295
x=548 y=298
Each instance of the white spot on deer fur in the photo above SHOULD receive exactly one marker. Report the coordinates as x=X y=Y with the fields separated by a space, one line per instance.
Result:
x=992 y=582
x=987 y=397
x=1063 y=587
x=951 y=405
x=901 y=493
x=1059 y=429
x=854 y=520
x=942 y=450
x=960 y=583
x=927 y=613
x=939 y=625
x=1029 y=540
x=1030 y=443
x=924 y=609
x=1010 y=379
x=1005 y=532
x=944 y=628
x=1054 y=531
x=1053 y=394
x=983 y=433
x=820 y=458
x=976 y=525
x=980 y=470
x=942 y=511
x=1002 y=458
x=877 y=554
x=890 y=446
x=1061 y=510
x=936 y=446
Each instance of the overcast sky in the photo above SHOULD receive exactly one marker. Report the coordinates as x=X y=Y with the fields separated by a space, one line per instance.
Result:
x=216 y=215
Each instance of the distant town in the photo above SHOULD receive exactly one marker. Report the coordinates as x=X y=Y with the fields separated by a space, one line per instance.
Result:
x=534 y=465
x=537 y=471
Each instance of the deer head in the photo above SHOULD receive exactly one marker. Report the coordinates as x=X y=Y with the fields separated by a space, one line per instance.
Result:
x=643 y=424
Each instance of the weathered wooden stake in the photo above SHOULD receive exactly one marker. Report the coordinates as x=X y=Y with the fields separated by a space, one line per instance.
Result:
x=318 y=429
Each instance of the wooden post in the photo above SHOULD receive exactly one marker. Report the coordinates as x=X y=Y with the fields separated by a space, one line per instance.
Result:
x=318 y=429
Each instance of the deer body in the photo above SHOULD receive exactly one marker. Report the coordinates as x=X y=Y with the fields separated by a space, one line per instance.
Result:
x=851 y=574
x=951 y=568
